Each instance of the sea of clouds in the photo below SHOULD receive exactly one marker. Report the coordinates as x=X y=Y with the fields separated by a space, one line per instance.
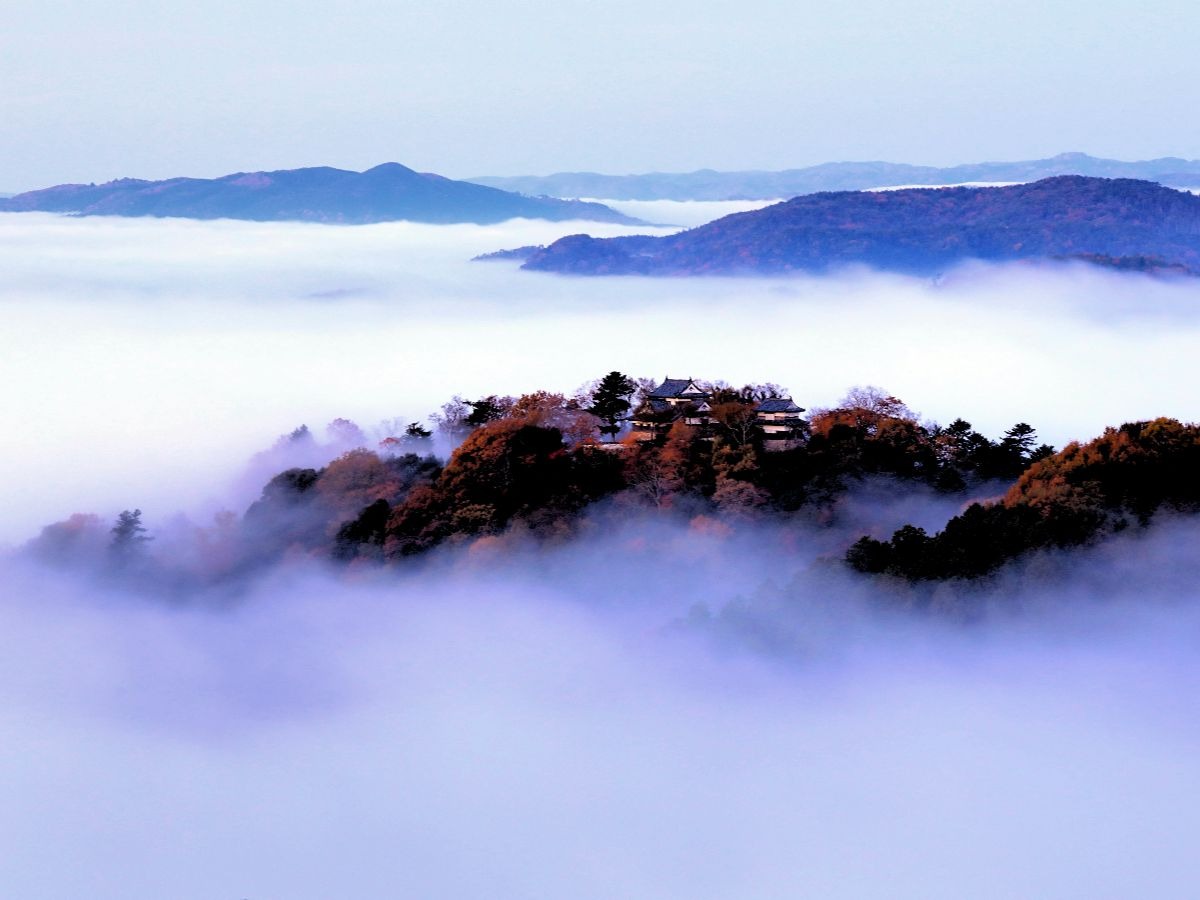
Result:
x=661 y=709
x=143 y=358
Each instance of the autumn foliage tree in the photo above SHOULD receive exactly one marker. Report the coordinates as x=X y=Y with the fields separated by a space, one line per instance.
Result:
x=550 y=410
x=1119 y=480
x=80 y=539
x=533 y=463
x=505 y=470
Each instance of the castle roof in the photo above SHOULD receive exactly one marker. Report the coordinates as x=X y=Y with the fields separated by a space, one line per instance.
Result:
x=778 y=405
x=677 y=387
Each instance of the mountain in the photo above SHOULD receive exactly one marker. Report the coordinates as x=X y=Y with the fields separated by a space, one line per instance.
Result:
x=385 y=193
x=921 y=230
x=707 y=184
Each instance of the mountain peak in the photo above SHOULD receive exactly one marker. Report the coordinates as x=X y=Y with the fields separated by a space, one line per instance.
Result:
x=390 y=168
x=386 y=193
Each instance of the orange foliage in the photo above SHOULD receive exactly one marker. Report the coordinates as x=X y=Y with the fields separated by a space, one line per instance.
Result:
x=550 y=410
x=356 y=479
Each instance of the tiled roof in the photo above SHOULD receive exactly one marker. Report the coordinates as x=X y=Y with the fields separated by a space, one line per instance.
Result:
x=778 y=405
x=664 y=411
x=672 y=387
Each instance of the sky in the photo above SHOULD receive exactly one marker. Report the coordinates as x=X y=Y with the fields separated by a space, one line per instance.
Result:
x=90 y=92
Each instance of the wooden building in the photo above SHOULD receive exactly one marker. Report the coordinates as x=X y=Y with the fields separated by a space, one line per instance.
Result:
x=676 y=399
x=781 y=421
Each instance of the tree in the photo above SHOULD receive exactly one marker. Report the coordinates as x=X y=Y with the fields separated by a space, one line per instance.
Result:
x=1020 y=438
x=413 y=437
x=299 y=435
x=344 y=433
x=550 y=410
x=356 y=479
x=610 y=402
x=759 y=392
x=739 y=498
x=736 y=421
x=128 y=534
x=368 y=528
x=451 y=422
x=78 y=539
x=1083 y=492
x=865 y=407
x=656 y=473
x=959 y=444
x=488 y=409
x=503 y=470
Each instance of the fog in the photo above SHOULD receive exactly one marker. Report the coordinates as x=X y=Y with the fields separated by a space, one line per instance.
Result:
x=143 y=357
x=661 y=707
x=688 y=213
x=709 y=717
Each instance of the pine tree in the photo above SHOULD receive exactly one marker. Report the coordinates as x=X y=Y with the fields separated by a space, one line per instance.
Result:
x=128 y=534
x=610 y=401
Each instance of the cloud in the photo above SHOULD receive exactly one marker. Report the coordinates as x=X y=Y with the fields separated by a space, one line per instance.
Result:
x=143 y=355
x=688 y=213
x=656 y=710
x=556 y=725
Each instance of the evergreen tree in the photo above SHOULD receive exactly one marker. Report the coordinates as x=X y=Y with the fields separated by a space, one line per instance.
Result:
x=128 y=535
x=610 y=401
x=486 y=410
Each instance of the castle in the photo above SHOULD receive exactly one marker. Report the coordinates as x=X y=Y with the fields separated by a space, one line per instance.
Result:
x=682 y=400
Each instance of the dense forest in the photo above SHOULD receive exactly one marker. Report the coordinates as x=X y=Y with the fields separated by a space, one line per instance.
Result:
x=1117 y=481
x=536 y=466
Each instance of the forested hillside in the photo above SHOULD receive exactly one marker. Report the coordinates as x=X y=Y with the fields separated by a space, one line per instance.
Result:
x=920 y=231
x=386 y=193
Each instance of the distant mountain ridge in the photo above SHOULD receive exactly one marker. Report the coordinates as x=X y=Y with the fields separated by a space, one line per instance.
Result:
x=920 y=230
x=707 y=184
x=388 y=192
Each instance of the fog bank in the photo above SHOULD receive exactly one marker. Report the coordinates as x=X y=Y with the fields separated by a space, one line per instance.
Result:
x=566 y=722
x=688 y=213
x=659 y=708
x=147 y=354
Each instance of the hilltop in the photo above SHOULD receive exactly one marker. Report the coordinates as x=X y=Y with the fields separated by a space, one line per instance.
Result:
x=707 y=184
x=544 y=468
x=921 y=230
x=388 y=192
x=1080 y=495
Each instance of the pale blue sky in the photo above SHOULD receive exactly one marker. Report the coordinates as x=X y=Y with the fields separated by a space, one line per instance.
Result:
x=90 y=92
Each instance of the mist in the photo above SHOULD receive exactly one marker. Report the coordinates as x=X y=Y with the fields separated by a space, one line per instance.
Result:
x=662 y=705
x=688 y=213
x=656 y=711
x=144 y=358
